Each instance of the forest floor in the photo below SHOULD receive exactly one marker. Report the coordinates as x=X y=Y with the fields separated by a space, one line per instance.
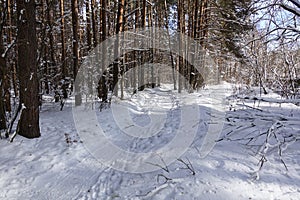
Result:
x=256 y=156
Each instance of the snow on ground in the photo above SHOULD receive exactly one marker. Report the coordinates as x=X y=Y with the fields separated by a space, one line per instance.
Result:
x=59 y=166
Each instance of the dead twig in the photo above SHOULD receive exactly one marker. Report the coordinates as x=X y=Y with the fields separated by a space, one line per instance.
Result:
x=165 y=177
x=165 y=167
x=188 y=165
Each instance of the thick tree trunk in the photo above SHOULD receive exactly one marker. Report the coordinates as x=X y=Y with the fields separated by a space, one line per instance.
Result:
x=28 y=125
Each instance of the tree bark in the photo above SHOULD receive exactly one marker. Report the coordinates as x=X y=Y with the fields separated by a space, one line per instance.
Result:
x=75 y=28
x=2 y=72
x=51 y=37
x=94 y=24
x=119 y=28
x=102 y=86
x=6 y=78
x=28 y=125
x=88 y=25
x=63 y=41
x=180 y=59
x=103 y=17
x=143 y=25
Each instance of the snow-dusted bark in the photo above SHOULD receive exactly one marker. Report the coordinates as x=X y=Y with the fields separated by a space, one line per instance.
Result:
x=28 y=125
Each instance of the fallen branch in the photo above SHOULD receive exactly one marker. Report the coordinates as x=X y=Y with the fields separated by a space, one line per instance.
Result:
x=165 y=167
x=165 y=177
x=8 y=131
x=17 y=130
x=188 y=165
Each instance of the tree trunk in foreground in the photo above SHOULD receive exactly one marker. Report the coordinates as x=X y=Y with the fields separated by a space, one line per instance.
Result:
x=28 y=125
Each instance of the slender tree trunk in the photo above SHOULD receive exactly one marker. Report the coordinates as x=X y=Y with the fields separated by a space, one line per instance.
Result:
x=103 y=20
x=143 y=25
x=180 y=59
x=153 y=51
x=103 y=78
x=203 y=22
x=28 y=125
x=124 y=57
x=194 y=33
x=136 y=71
x=184 y=47
x=2 y=112
x=6 y=78
x=12 y=63
x=44 y=52
x=195 y=18
x=63 y=49
x=88 y=25
x=169 y=43
x=94 y=24
x=119 y=28
x=108 y=3
x=51 y=37
x=75 y=24
x=2 y=72
x=63 y=41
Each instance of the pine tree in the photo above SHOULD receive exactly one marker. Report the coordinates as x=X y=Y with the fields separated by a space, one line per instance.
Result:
x=28 y=125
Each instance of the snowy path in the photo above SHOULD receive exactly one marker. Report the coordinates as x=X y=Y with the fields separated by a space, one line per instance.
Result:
x=51 y=168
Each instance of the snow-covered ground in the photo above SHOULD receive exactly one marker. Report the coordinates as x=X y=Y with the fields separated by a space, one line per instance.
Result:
x=59 y=165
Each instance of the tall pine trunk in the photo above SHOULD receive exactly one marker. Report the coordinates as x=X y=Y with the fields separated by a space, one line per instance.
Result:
x=2 y=72
x=102 y=83
x=180 y=58
x=94 y=23
x=119 y=28
x=28 y=125
x=166 y=25
x=88 y=25
x=75 y=26
x=142 y=71
x=63 y=41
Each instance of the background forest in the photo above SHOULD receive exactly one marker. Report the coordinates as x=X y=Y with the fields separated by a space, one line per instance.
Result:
x=44 y=42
